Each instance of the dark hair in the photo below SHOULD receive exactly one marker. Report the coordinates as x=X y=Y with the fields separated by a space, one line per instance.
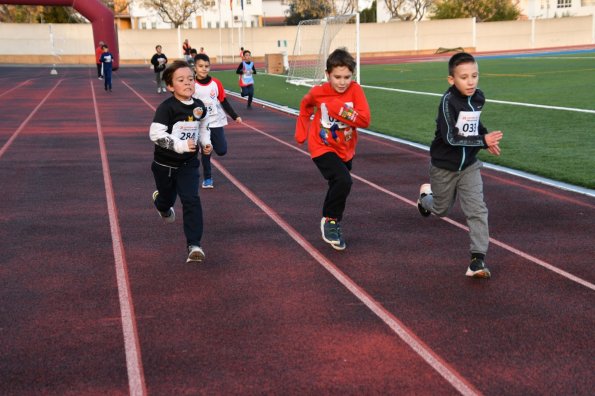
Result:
x=193 y=51
x=340 y=57
x=458 y=59
x=246 y=52
x=202 y=57
x=168 y=74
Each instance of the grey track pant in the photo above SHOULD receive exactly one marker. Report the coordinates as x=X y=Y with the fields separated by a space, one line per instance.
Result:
x=468 y=185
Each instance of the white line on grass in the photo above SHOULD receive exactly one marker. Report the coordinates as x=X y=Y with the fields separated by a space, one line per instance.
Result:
x=503 y=245
x=499 y=168
x=136 y=378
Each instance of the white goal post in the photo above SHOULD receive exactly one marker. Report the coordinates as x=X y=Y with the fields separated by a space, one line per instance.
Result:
x=315 y=40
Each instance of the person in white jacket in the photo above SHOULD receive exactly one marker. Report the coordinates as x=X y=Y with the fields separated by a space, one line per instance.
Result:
x=179 y=130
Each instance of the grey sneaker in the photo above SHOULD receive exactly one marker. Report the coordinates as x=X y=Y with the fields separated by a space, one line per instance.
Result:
x=195 y=254
x=170 y=215
x=425 y=189
x=478 y=269
x=331 y=233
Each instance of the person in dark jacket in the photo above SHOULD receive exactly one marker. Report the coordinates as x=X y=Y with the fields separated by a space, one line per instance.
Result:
x=159 y=62
x=454 y=168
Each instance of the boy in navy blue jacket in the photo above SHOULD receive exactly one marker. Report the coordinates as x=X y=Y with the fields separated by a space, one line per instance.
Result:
x=455 y=169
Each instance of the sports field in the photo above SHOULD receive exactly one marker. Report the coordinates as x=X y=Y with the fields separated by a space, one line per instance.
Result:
x=544 y=104
x=97 y=297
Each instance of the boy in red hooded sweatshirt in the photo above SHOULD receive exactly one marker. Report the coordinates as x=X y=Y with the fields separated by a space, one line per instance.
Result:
x=339 y=107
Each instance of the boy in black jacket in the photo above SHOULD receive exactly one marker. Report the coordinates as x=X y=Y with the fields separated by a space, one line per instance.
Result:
x=455 y=169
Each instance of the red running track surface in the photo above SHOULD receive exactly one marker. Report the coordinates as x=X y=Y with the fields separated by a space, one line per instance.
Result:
x=96 y=296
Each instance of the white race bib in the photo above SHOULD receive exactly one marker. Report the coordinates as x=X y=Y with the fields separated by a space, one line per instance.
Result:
x=468 y=123
x=211 y=107
x=185 y=130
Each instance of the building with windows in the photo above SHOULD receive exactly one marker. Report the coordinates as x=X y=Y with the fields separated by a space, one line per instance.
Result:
x=257 y=13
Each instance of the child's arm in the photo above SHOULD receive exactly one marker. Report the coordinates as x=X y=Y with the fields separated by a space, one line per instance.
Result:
x=303 y=122
x=223 y=100
x=240 y=69
x=357 y=116
x=204 y=134
x=158 y=135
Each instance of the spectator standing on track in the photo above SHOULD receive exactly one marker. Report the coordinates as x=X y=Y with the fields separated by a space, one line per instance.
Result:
x=159 y=62
x=107 y=60
x=178 y=128
x=98 y=52
x=246 y=70
x=211 y=92
x=186 y=51
x=454 y=168
x=341 y=107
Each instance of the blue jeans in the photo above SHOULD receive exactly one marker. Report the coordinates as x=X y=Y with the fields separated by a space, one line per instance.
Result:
x=182 y=182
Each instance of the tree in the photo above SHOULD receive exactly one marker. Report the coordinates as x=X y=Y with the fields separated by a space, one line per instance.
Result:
x=175 y=12
x=369 y=14
x=300 y=10
x=408 y=10
x=482 y=10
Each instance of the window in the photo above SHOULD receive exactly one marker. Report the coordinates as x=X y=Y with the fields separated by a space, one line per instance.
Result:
x=153 y=25
x=248 y=2
x=564 y=4
x=143 y=25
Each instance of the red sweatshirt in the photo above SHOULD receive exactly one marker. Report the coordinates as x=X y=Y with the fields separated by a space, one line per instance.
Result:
x=337 y=115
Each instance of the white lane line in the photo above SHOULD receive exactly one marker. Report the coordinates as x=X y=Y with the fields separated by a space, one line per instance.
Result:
x=31 y=114
x=418 y=346
x=18 y=86
x=136 y=378
x=503 y=245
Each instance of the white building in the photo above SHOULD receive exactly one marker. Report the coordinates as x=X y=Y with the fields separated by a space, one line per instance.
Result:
x=254 y=13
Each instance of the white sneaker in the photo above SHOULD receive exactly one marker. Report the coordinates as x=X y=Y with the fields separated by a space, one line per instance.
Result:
x=170 y=215
x=195 y=254
x=424 y=189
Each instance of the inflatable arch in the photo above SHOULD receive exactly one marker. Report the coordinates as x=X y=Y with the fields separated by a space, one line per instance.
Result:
x=101 y=17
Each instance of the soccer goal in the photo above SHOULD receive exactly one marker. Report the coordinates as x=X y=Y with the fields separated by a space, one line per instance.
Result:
x=315 y=40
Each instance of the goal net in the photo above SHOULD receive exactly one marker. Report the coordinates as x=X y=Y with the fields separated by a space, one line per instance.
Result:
x=315 y=40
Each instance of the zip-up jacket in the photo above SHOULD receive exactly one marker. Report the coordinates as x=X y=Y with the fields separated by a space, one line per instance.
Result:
x=459 y=132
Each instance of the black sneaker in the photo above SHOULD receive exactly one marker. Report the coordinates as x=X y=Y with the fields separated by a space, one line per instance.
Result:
x=478 y=269
x=331 y=233
x=424 y=190
x=170 y=215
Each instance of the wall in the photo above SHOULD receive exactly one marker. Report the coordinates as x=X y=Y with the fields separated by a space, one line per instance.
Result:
x=73 y=43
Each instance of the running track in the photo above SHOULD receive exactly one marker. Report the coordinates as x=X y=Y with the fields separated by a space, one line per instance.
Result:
x=97 y=299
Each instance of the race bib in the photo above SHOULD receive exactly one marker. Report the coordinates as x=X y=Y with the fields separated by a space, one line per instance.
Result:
x=211 y=107
x=185 y=130
x=468 y=123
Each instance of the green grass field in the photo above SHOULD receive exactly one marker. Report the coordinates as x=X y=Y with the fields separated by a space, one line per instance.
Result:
x=553 y=143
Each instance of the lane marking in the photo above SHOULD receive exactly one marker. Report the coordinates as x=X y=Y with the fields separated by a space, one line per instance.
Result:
x=24 y=123
x=136 y=377
x=26 y=82
x=496 y=242
x=404 y=333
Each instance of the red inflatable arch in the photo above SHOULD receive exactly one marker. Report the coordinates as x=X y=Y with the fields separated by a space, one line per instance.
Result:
x=101 y=17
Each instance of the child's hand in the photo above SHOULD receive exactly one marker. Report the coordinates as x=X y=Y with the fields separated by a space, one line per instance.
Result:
x=207 y=149
x=495 y=149
x=191 y=145
x=239 y=119
x=493 y=138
